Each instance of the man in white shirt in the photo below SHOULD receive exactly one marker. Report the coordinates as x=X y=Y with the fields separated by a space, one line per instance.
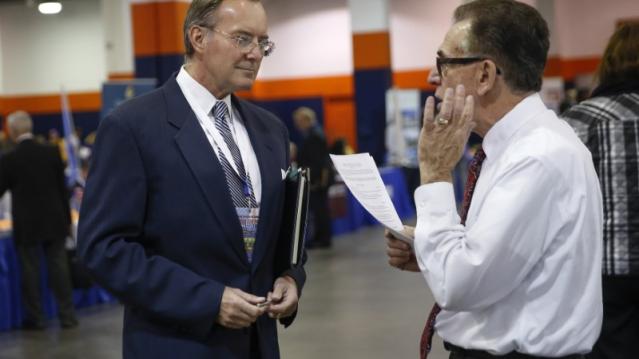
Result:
x=519 y=273
x=180 y=217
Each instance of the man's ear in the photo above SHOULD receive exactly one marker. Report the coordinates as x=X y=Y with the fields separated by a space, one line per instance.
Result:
x=197 y=36
x=486 y=77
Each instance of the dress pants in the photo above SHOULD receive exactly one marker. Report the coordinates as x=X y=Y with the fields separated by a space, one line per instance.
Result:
x=59 y=281
x=620 y=330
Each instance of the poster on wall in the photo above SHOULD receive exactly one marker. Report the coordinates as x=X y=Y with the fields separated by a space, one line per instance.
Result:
x=118 y=91
x=403 y=117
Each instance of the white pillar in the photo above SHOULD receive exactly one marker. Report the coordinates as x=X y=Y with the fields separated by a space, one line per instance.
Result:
x=368 y=15
x=118 y=42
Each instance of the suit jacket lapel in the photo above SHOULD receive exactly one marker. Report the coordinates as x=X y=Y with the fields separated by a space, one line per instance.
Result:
x=203 y=162
x=270 y=174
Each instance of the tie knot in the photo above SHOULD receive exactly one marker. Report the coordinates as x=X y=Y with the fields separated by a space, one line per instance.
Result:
x=220 y=110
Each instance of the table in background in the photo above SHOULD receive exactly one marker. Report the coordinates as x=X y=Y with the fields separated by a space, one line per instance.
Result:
x=355 y=216
x=11 y=312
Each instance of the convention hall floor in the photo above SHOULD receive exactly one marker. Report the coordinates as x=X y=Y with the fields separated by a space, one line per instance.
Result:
x=353 y=306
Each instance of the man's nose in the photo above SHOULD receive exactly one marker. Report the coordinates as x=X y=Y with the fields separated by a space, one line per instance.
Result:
x=434 y=78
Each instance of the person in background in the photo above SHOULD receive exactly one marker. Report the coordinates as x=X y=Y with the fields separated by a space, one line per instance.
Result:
x=34 y=173
x=517 y=273
x=181 y=211
x=341 y=147
x=313 y=154
x=608 y=124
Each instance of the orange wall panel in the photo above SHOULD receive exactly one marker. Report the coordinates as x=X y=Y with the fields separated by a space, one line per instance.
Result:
x=157 y=28
x=569 y=68
x=171 y=17
x=339 y=120
x=144 y=23
x=371 y=51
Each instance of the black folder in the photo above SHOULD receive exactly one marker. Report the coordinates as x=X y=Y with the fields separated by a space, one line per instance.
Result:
x=294 y=218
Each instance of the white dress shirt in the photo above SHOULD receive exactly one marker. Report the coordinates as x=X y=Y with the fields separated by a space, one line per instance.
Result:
x=524 y=273
x=202 y=102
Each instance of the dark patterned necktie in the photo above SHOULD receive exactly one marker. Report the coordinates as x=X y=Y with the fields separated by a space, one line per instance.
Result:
x=473 y=174
x=239 y=182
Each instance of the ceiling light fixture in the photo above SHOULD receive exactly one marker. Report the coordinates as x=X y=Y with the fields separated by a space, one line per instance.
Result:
x=50 y=7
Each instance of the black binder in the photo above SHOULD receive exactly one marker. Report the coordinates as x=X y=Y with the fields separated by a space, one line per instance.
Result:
x=295 y=214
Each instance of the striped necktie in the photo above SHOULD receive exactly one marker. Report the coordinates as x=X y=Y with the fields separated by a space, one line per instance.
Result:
x=473 y=174
x=239 y=182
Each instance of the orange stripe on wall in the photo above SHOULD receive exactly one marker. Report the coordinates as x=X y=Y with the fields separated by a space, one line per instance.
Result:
x=371 y=51
x=157 y=28
x=330 y=86
x=121 y=76
x=50 y=103
x=415 y=79
x=568 y=69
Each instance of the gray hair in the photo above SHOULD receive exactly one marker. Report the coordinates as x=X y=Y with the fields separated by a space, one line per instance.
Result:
x=199 y=14
x=20 y=123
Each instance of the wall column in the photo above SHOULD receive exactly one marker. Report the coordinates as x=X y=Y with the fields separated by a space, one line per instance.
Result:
x=157 y=37
x=116 y=19
x=372 y=73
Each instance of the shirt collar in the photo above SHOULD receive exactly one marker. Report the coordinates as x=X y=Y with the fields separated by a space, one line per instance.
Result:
x=203 y=99
x=498 y=135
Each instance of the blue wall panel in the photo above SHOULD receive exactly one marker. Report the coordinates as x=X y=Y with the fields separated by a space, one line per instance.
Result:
x=370 y=102
x=86 y=121
x=158 y=67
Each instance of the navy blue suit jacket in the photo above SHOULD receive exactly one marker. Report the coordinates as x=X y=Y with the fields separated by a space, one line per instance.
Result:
x=158 y=227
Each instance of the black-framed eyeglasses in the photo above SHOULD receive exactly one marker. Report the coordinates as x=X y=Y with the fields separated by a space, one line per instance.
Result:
x=459 y=61
x=246 y=43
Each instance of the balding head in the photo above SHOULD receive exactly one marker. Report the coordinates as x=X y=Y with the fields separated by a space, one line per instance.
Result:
x=19 y=124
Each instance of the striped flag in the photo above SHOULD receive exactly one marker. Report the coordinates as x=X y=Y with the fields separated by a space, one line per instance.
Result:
x=72 y=143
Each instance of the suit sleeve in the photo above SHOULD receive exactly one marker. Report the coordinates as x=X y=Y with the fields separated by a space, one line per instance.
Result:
x=111 y=240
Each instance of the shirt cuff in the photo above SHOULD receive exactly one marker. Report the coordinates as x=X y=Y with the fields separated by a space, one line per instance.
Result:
x=435 y=198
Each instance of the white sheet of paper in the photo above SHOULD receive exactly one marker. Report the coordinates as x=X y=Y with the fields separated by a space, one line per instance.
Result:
x=362 y=178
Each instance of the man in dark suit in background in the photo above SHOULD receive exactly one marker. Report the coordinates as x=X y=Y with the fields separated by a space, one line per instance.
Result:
x=313 y=154
x=181 y=212
x=34 y=173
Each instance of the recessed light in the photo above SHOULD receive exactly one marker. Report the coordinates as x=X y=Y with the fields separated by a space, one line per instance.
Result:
x=50 y=7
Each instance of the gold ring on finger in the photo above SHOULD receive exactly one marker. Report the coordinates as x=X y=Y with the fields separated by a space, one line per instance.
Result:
x=442 y=121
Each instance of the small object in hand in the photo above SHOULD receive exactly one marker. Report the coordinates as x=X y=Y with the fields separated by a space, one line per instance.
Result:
x=264 y=304
x=442 y=121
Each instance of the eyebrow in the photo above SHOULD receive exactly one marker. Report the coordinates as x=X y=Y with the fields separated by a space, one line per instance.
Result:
x=440 y=53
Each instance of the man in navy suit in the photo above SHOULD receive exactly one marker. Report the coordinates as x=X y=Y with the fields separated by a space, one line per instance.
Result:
x=182 y=205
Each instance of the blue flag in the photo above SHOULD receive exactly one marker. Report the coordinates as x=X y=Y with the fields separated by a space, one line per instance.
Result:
x=71 y=144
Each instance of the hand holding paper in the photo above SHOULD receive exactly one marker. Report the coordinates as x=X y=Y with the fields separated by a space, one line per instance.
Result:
x=362 y=178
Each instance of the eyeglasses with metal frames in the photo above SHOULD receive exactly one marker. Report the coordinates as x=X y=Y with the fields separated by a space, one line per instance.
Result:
x=459 y=61
x=246 y=43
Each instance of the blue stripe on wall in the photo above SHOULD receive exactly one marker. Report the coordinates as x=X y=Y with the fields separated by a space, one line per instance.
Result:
x=87 y=122
x=159 y=67
x=370 y=102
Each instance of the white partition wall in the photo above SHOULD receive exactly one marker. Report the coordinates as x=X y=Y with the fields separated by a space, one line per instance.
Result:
x=313 y=38
x=118 y=43
x=417 y=28
x=584 y=26
x=42 y=53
